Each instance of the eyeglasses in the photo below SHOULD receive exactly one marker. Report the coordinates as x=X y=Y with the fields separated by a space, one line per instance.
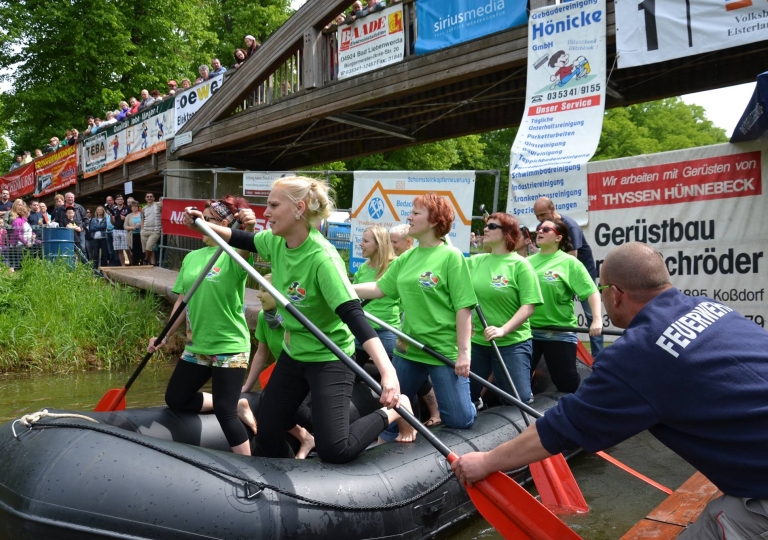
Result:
x=547 y=229
x=492 y=226
x=149 y=197
x=601 y=288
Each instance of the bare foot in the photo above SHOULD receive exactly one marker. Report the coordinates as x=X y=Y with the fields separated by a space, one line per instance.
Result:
x=245 y=414
x=407 y=432
x=306 y=441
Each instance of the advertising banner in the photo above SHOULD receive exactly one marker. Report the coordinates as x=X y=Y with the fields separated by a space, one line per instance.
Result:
x=137 y=136
x=442 y=23
x=386 y=199
x=19 y=182
x=173 y=216
x=56 y=170
x=703 y=209
x=372 y=42
x=564 y=105
x=188 y=102
x=259 y=184
x=753 y=124
x=656 y=30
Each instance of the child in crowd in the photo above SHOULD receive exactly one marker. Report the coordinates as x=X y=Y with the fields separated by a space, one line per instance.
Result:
x=71 y=224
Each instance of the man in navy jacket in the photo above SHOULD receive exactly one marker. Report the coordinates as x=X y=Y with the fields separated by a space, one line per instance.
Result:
x=691 y=371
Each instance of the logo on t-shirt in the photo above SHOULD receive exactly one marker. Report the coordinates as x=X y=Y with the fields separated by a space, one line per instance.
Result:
x=428 y=280
x=215 y=271
x=296 y=293
x=551 y=275
x=499 y=282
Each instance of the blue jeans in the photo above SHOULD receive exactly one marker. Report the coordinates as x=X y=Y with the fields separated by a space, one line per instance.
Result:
x=517 y=358
x=452 y=393
x=595 y=343
x=387 y=338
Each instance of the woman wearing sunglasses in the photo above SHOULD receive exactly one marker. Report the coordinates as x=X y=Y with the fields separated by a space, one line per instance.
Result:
x=561 y=276
x=508 y=291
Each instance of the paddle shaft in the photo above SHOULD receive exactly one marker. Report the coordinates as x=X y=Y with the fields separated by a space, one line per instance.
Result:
x=582 y=330
x=507 y=375
x=501 y=393
x=315 y=331
x=473 y=376
x=175 y=315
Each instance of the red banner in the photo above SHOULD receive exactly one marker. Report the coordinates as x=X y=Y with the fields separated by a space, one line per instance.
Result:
x=56 y=170
x=19 y=182
x=717 y=177
x=173 y=216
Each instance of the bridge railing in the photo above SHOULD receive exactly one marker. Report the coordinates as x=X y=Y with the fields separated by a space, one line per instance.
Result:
x=289 y=77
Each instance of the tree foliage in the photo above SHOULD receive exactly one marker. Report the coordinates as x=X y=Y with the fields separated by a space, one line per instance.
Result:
x=68 y=59
x=656 y=126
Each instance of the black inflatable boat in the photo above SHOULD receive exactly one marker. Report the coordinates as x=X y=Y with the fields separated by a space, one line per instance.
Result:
x=161 y=474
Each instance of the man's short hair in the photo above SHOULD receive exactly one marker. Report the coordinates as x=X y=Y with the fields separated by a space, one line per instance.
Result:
x=636 y=268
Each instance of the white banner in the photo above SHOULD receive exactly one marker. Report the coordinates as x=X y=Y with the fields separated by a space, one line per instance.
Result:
x=95 y=152
x=565 y=101
x=259 y=184
x=189 y=101
x=386 y=199
x=374 y=41
x=656 y=30
x=703 y=209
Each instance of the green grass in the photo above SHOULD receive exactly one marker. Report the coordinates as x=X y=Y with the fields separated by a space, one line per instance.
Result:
x=53 y=318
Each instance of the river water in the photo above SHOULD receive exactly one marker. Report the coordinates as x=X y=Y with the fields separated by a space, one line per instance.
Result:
x=616 y=499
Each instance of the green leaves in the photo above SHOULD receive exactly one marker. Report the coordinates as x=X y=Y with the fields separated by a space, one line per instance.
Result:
x=79 y=57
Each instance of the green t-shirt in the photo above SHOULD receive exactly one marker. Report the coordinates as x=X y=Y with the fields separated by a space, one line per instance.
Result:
x=432 y=284
x=560 y=277
x=273 y=337
x=502 y=284
x=387 y=309
x=215 y=319
x=313 y=278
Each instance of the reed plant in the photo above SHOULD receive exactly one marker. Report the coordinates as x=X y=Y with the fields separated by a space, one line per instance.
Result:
x=55 y=318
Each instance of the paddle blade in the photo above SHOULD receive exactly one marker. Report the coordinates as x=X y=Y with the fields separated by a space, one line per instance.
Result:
x=113 y=400
x=557 y=487
x=583 y=354
x=514 y=512
x=265 y=375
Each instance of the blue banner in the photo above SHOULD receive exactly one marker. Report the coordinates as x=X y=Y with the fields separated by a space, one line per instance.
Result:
x=442 y=23
x=754 y=122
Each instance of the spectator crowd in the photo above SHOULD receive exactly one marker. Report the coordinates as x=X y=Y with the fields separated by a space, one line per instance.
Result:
x=132 y=106
x=121 y=232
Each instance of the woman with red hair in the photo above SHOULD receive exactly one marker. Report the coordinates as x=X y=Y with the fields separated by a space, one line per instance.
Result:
x=508 y=291
x=218 y=342
x=433 y=285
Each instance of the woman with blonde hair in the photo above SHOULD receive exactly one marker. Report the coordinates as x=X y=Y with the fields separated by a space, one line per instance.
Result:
x=377 y=248
x=312 y=275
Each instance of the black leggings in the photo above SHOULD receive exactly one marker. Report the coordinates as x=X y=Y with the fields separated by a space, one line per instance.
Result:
x=336 y=439
x=561 y=362
x=183 y=394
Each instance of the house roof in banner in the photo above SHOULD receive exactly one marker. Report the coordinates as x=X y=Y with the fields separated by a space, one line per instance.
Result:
x=284 y=110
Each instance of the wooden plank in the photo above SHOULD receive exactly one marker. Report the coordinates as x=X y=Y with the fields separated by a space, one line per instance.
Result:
x=677 y=511
x=646 y=529
x=687 y=502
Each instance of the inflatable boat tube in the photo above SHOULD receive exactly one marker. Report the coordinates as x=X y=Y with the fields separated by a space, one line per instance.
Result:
x=161 y=474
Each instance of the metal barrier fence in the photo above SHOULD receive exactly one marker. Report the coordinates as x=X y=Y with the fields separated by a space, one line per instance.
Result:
x=37 y=242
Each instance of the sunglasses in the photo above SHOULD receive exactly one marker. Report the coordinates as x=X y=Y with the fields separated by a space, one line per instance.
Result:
x=547 y=229
x=211 y=219
x=492 y=226
x=600 y=288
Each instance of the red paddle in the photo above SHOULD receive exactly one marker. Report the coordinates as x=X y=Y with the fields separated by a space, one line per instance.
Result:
x=502 y=501
x=265 y=375
x=501 y=393
x=553 y=477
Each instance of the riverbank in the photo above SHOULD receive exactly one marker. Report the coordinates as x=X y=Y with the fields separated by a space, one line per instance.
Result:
x=58 y=319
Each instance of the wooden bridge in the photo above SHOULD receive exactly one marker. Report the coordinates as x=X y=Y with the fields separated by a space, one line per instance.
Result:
x=309 y=118
x=285 y=109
